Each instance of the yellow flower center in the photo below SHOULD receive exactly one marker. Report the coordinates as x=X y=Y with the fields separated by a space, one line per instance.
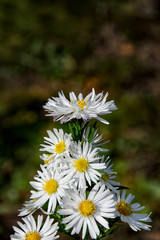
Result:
x=60 y=147
x=47 y=161
x=124 y=208
x=81 y=164
x=81 y=103
x=105 y=177
x=32 y=236
x=87 y=208
x=50 y=186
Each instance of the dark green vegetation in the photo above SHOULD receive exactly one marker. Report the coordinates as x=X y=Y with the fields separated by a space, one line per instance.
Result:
x=114 y=46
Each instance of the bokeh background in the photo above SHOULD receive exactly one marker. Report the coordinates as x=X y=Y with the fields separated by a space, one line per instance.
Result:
x=48 y=46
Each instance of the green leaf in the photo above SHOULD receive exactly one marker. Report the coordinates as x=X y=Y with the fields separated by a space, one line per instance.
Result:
x=121 y=187
x=76 y=129
x=113 y=230
x=100 y=171
x=87 y=235
x=92 y=131
x=71 y=129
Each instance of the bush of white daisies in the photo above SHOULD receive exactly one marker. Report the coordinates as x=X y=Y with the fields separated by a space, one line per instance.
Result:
x=75 y=187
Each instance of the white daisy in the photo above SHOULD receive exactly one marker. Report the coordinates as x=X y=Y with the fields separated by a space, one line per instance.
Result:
x=96 y=140
x=92 y=106
x=108 y=175
x=31 y=230
x=57 y=144
x=50 y=186
x=128 y=212
x=85 y=211
x=84 y=164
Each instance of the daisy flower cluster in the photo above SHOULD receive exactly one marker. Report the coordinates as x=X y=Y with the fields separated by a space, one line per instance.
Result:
x=75 y=187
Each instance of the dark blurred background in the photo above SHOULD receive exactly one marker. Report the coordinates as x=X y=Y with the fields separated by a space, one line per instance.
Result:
x=48 y=46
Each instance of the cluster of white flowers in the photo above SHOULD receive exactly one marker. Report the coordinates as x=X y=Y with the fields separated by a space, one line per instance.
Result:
x=75 y=185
